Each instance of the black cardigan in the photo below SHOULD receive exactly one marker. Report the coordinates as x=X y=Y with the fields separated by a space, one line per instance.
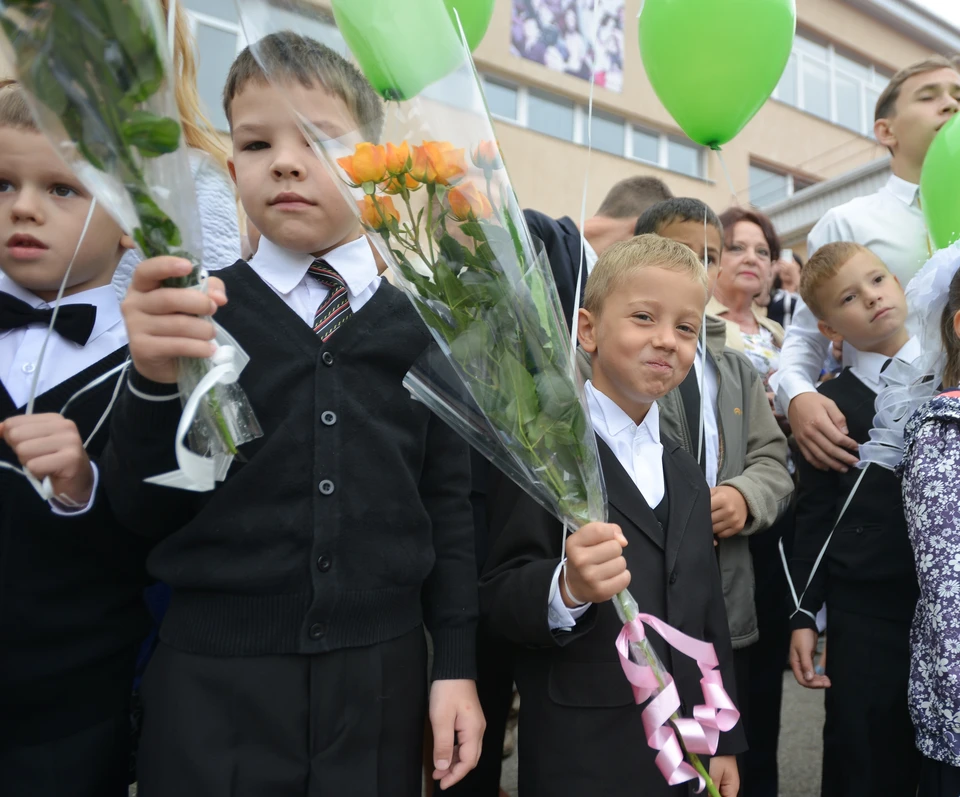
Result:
x=349 y=513
x=868 y=567
x=71 y=607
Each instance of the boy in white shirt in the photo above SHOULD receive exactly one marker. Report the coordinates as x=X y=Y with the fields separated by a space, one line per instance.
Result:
x=917 y=102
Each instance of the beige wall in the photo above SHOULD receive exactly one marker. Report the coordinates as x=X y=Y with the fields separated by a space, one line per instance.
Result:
x=548 y=173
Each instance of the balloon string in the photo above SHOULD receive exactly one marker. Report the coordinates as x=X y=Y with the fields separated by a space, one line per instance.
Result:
x=726 y=175
x=586 y=183
x=56 y=310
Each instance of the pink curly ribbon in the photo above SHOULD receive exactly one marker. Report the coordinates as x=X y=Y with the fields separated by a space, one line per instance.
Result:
x=702 y=733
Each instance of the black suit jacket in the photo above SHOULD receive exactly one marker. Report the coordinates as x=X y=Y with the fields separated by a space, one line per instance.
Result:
x=581 y=731
x=561 y=241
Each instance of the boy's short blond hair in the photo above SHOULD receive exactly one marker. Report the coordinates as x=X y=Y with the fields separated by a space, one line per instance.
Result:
x=14 y=111
x=644 y=251
x=887 y=101
x=306 y=61
x=823 y=266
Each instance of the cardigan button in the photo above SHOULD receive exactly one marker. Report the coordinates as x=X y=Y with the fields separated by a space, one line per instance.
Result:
x=326 y=487
x=324 y=563
x=673 y=577
x=317 y=630
x=328 y=418
x=327 y=358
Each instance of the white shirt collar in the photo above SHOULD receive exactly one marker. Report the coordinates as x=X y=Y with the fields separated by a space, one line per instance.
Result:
x=608 y=416
x=590 y=255
x=284 y=269
x=870 y=364
x=902 y=190
x=103 y=298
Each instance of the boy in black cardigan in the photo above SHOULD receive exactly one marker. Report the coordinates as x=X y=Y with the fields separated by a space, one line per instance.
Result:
x=867 y=576
x=292 y=658
x=71 y=578
x=581 y=732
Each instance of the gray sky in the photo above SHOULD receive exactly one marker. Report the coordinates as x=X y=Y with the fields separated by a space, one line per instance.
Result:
x=948 y=9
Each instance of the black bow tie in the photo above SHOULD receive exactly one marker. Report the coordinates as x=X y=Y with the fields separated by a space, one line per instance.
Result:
x=74 y=321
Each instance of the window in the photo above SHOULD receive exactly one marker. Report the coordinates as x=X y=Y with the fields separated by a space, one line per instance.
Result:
x=646 y=146
x=768 y=186
x=608 y=133
x=831 y=84
x=501 y=99
x=683 y=158
x=551 y=115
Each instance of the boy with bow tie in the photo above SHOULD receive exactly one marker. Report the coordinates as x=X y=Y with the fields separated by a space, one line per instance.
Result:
x=71 y=613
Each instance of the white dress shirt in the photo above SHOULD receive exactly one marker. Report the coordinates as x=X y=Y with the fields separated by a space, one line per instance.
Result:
x=870 y=364
x=286 y=273
x=889 y=223
x=20 y=348
x=589 y=254
x=711 y=429
x=639 y=451
x=63 y=359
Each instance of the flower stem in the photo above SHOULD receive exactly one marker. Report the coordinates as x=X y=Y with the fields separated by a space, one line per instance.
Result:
x=625 y=604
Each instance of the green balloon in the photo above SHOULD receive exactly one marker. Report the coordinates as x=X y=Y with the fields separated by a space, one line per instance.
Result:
x=713 y=64
x=402 y=46
x=939 y=179
x=475 y=16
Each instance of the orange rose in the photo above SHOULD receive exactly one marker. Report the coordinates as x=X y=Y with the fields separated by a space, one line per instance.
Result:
x=487 y=156
x=398 y=159
x=395 y=185
x=466 y=202
x=376 y=212
x=368 y=164
x=438 y=162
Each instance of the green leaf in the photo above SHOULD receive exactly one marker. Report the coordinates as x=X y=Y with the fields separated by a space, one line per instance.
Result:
x=453 y=251
x=152 y=135
x=556 y=393
x=520 y=389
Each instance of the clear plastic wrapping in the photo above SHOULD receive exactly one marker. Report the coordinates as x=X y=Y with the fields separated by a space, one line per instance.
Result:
x=97 y=75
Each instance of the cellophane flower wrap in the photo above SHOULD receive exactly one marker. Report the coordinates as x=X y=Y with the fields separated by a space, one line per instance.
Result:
x=97 y=75
x=431 y=189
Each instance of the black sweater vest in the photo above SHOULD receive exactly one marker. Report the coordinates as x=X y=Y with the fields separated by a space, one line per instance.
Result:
x=71 y=608
x=868 y=567
x=347 y=524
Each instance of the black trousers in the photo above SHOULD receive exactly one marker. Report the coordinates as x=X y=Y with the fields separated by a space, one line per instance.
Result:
x=349 y=722
x=768 y=658
x=495 y=665
x=937 y=779
x=868 y=739
x=91 y=762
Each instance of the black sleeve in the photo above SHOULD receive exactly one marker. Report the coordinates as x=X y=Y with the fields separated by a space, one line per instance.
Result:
x=450 y=592
x=816 y=513
x=564 y=272
x=142 y=432
x=525 y=551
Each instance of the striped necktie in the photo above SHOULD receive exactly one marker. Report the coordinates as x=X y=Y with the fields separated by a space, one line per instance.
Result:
x=335 y=309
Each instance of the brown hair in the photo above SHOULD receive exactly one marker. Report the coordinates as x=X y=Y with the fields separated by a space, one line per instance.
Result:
x=643 y=251
x=887 y=101
x=631 y=197
x=731 y=217
x=822 y=267
x=951 y=345
x=197 y=130
x=14 y=111
x=312 y=64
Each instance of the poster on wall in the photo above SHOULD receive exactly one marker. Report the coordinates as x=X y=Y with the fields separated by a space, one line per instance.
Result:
x=559 y=35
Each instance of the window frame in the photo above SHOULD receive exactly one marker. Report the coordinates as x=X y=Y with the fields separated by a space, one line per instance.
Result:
x=877 y=80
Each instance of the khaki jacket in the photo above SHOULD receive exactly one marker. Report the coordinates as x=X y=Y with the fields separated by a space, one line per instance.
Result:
x=734 y=335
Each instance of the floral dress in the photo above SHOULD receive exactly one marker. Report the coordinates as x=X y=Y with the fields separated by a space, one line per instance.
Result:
x=931 y=492
x=763 y=353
